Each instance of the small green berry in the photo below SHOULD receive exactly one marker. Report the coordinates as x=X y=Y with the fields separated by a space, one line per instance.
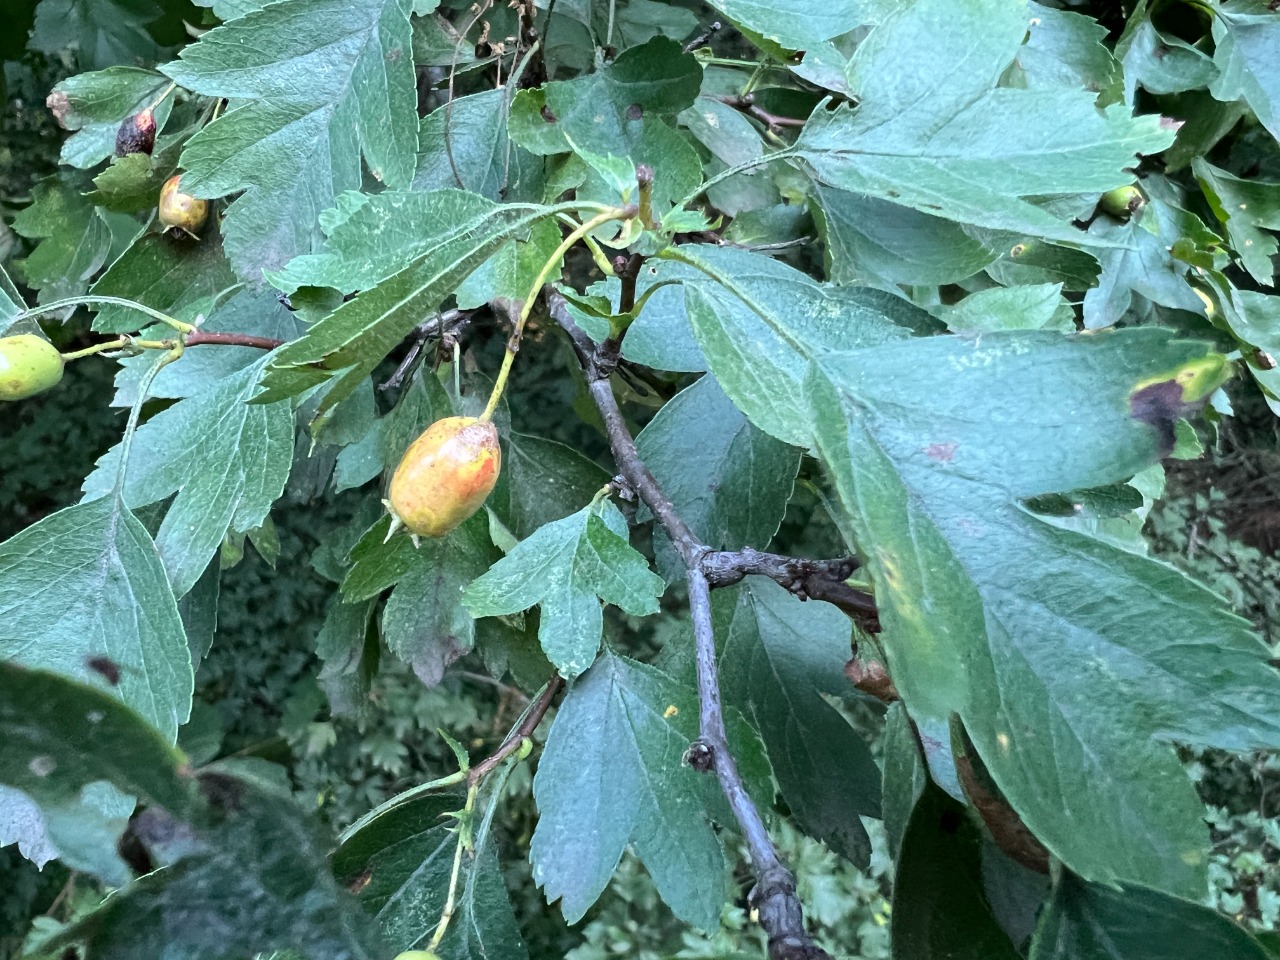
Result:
x=28 y=365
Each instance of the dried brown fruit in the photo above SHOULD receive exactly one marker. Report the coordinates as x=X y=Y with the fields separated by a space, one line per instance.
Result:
x=137 y=134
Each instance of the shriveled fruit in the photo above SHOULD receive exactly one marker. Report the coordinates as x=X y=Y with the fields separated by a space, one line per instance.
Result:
x=137 y=134
x=1122 y=202
x=28 y=365
x=445 y=475
x=181 y=211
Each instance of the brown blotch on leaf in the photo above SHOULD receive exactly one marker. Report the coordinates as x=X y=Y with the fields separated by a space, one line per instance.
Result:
x=548 y=116
x=59 y=106
x=105 y=667
x=221 y=790
x=1159 y=405
x=358 y=883
x=635 y=112
x=942 y=452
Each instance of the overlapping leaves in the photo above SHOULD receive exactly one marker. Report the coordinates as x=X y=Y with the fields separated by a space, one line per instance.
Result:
x=933 y=132
x=612 y=775
x=1069 y=660
x=334 y=85
x=568 y=568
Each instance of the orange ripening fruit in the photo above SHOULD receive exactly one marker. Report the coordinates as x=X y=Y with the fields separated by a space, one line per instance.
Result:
x=445 y=476
x=181 y=211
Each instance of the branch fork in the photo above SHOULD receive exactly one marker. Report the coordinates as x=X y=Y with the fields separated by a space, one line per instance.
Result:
x=774 y=897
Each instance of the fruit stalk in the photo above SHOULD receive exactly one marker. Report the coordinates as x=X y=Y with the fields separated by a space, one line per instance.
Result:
x=513 y=344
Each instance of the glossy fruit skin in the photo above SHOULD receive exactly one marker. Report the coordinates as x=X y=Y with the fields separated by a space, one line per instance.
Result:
x=446 y=475
x=137 y=134
x=28 y=365
x=179 y=210
x=1122 y=202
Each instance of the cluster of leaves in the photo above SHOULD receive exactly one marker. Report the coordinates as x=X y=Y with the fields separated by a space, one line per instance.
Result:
x=847 y=269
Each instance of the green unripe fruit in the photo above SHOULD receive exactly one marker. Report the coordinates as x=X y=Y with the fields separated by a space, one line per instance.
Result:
x=28 y=365
x=1122 y=202
x=418 y=955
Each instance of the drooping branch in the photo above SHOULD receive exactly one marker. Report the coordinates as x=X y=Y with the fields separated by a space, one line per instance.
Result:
x=774 y=895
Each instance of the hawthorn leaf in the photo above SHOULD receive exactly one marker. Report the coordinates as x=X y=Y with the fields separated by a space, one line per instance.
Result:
x=799 y=25
x=612 y=774
x=906 y=775
x=424 y=622
x=1158 y=62
x=1029 y=307
x=756 y=320
x=335 y=84
x=939 y=907
x=1065 y=49
x=465 y=145
x=1247 y=38
x=1247 y=208
x=99 y=33
x=625 y=105
x=225 y=458
x=729 y=480
x=132 y=183
x=83 y=587
x=1142 y=264
x=569 y=567
x=542 y=481
x=93 y=105
x=654 y=78
x=172 y=274
x=62 y=740
x=400 y=856
x=778 y=656
x=75 y=240
x=873 y=241
x=405 y=276
x=1132 y=923
x=255 y=877
x=1072 y=662
x=933 y=132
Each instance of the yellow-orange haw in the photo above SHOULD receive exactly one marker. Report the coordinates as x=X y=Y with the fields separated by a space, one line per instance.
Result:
x=181 y=211
x=28 y=365
x=445 y=475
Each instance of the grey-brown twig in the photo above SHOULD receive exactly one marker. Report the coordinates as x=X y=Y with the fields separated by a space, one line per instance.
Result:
x=774 y=895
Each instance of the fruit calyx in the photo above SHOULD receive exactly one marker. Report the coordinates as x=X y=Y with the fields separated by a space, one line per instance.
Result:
x=181 y=211
x=445 y=476
x=28 y=365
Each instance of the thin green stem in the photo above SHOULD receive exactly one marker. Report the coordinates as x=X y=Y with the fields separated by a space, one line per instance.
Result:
x=160 y=99
x=734 y=171
x=678 y=254
x=116 y=344
x=135 y=413
x=513 y=344
x=89 y=299
x=464 y=840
